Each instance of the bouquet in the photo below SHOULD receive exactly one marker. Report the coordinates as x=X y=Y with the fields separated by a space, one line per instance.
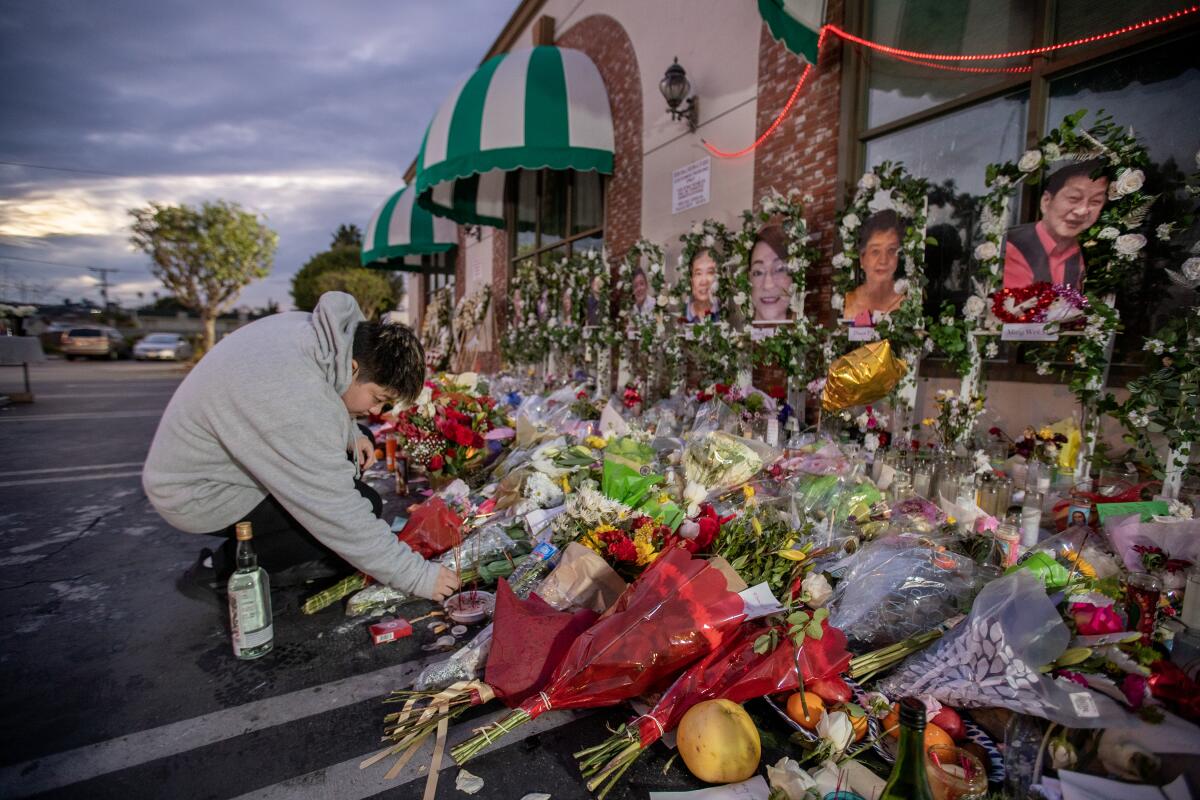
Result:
x=676 y=613
x=739 y=670
x=717 y=461
x=1039 y=302
x=447 y=428
x=955 y=418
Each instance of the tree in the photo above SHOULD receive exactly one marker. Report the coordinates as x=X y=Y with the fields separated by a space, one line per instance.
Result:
x=347 y=236
x=304 y=283
x=204 y=256
x=372 y=289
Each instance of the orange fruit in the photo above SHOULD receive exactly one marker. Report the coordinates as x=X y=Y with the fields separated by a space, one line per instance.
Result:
x=891 y=723
x=935 y=736
x=795 y=709
x=378 y=454
x=859 y=724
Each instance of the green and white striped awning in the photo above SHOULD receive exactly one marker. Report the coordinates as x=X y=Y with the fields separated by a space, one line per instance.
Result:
x=401 y=232
x=795 y=23
x=528 y=109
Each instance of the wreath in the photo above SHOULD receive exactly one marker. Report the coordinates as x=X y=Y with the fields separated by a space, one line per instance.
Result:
x=565 y=326
x=652 y=336
x=437 y=330
x=790 y=345
x=525 y=339
x=469 y=314
x=715 y=346
x=888 y=186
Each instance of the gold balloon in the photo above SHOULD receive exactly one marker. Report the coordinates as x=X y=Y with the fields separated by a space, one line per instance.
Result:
x=862 y=376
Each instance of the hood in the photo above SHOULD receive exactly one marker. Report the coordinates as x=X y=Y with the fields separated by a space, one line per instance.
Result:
x=334 y=320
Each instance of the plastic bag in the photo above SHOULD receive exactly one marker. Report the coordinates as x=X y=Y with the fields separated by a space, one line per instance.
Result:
x=464 y=665
x=529 y=639
x=375 y=598
x=894 y=589
x=481 y=546
x=992 y=659
x=432 y=528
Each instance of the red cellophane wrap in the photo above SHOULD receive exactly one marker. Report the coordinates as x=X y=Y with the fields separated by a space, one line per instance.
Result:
x=677 y=612
x=529 y=639
x=1172 y=685
x=432 y=528
x=735 y=672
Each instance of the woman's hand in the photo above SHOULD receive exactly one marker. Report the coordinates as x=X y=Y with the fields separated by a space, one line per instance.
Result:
x=445 y=585
x=365 y=451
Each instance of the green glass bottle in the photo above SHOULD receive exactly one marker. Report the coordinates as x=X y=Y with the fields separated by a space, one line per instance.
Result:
x=908 y=780
x=249 y=601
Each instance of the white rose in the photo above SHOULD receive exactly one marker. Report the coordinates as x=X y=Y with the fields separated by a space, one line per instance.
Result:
x=709 y=240
x=840 y=260
x=1129 y=181
x=837 y=302
x=871 y=442
x=814 y=584
x=662 y=300
x=1108 y=232
x=1163 y=232
x=974 y=307
x=739 y=299
x=1129 y=244
x=850 y=221
x=1191 y=268
x=1154 y=346
x=1030 y=160
x=836 y=729
x=787 y=777
x=1051 y=152
x=992 y=350
x=900 y=286
x=697 y=228
x=987 y=251
x=868 y=181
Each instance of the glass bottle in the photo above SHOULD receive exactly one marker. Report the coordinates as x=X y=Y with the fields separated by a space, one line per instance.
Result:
x=1191 y=600
x=923 y=479
x=909 y=779
x=902 y=486
x=249 y=601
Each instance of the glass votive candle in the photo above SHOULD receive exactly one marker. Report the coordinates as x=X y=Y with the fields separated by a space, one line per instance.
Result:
x=955 y=773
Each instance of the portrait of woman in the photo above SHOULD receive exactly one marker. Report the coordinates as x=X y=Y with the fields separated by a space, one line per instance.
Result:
x=702 y=304
x=771 y=286
x=643 y=303
x=518 y=309
x=879 y=256
x=566 y=307
x=595 y=300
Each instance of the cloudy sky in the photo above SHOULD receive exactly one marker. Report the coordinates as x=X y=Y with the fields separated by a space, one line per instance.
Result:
x=304 y=111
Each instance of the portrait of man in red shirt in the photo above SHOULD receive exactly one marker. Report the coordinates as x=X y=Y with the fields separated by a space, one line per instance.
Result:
x=1048 y=250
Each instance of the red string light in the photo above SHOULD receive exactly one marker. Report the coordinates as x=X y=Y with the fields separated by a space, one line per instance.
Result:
x=922 y=59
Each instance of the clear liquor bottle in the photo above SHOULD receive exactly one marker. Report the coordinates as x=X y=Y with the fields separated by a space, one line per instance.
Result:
x=249 y=601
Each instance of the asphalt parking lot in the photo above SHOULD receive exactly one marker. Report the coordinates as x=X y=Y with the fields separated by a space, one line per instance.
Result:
x=117 y=686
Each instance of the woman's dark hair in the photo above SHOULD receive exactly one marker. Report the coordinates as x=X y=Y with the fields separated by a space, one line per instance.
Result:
x=391 y=356
x=637 y=271
x=1091 y=169
x=774 y=238
x=879 y=222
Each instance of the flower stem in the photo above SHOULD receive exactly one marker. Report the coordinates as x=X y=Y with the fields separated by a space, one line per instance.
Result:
x=486 y=736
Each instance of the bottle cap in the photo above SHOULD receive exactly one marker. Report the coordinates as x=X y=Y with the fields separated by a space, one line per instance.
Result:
x=243 y=532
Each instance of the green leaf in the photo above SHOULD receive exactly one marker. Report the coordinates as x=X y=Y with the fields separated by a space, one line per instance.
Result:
x=814 y=630
x=820 y=615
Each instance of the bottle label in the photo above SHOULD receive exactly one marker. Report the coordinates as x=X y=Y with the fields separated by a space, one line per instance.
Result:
x=246 y=622
x=544 y=552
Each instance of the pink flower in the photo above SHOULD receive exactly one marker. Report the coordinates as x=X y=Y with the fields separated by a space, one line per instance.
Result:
x=1092 y=620
x=1075 y=677
x=1134 y=689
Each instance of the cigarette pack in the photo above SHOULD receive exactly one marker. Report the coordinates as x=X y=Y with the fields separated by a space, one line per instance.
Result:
x=390 y=630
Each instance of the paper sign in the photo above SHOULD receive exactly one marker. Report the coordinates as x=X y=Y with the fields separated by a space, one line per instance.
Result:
x=1085 y=704
x=538 y=521
x=862 y=334
x=754 y=789
x=773 y=431
x=1027 y=332
x=761 y=334
x=690 y=185
x=759 y=602
x=1078 y=786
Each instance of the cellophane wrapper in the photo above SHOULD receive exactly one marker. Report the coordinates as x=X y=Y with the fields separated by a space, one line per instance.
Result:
x=735 y=672
x=678 y=611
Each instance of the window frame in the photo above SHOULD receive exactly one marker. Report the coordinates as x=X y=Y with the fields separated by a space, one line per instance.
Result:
x=854 y=135
x=566 y=243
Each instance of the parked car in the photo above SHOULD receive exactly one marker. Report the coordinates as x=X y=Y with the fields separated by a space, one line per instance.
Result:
x=95 y=341
x=172 y=346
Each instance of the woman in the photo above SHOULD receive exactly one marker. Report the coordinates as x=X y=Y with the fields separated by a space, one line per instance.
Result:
x=595 y=300
x=770 y=282
x=702 y=304
x=879 y=255
x=643 y=303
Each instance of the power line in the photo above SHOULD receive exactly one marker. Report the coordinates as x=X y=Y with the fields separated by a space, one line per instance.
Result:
x=40 y=261
x=65 y=169
x=103 y=273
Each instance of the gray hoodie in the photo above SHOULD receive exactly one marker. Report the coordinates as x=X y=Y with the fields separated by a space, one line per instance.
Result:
x=262 y=413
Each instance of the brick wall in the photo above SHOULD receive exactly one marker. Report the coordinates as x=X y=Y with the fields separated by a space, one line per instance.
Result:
x=802 y=153
x=604 y=41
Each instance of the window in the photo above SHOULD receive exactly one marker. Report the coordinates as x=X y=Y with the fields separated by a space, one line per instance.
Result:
x=552 y=214
x=947 y=126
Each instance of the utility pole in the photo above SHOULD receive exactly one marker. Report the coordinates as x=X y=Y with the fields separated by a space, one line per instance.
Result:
x=103 y=273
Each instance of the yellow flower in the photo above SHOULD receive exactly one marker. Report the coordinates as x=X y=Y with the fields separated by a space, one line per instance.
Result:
x=748 y=491
x=757 y=525
x=663 y=499
x=1046 y=433
x=1085 y=568
x=566 y=486
x=596 y=442
x=928 y=422
x=644 y=546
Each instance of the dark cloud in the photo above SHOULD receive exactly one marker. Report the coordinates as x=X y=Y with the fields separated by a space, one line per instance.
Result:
x=156 y=90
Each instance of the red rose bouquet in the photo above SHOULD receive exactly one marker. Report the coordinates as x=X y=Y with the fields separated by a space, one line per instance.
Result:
x=677 y=612
x=446 y=429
